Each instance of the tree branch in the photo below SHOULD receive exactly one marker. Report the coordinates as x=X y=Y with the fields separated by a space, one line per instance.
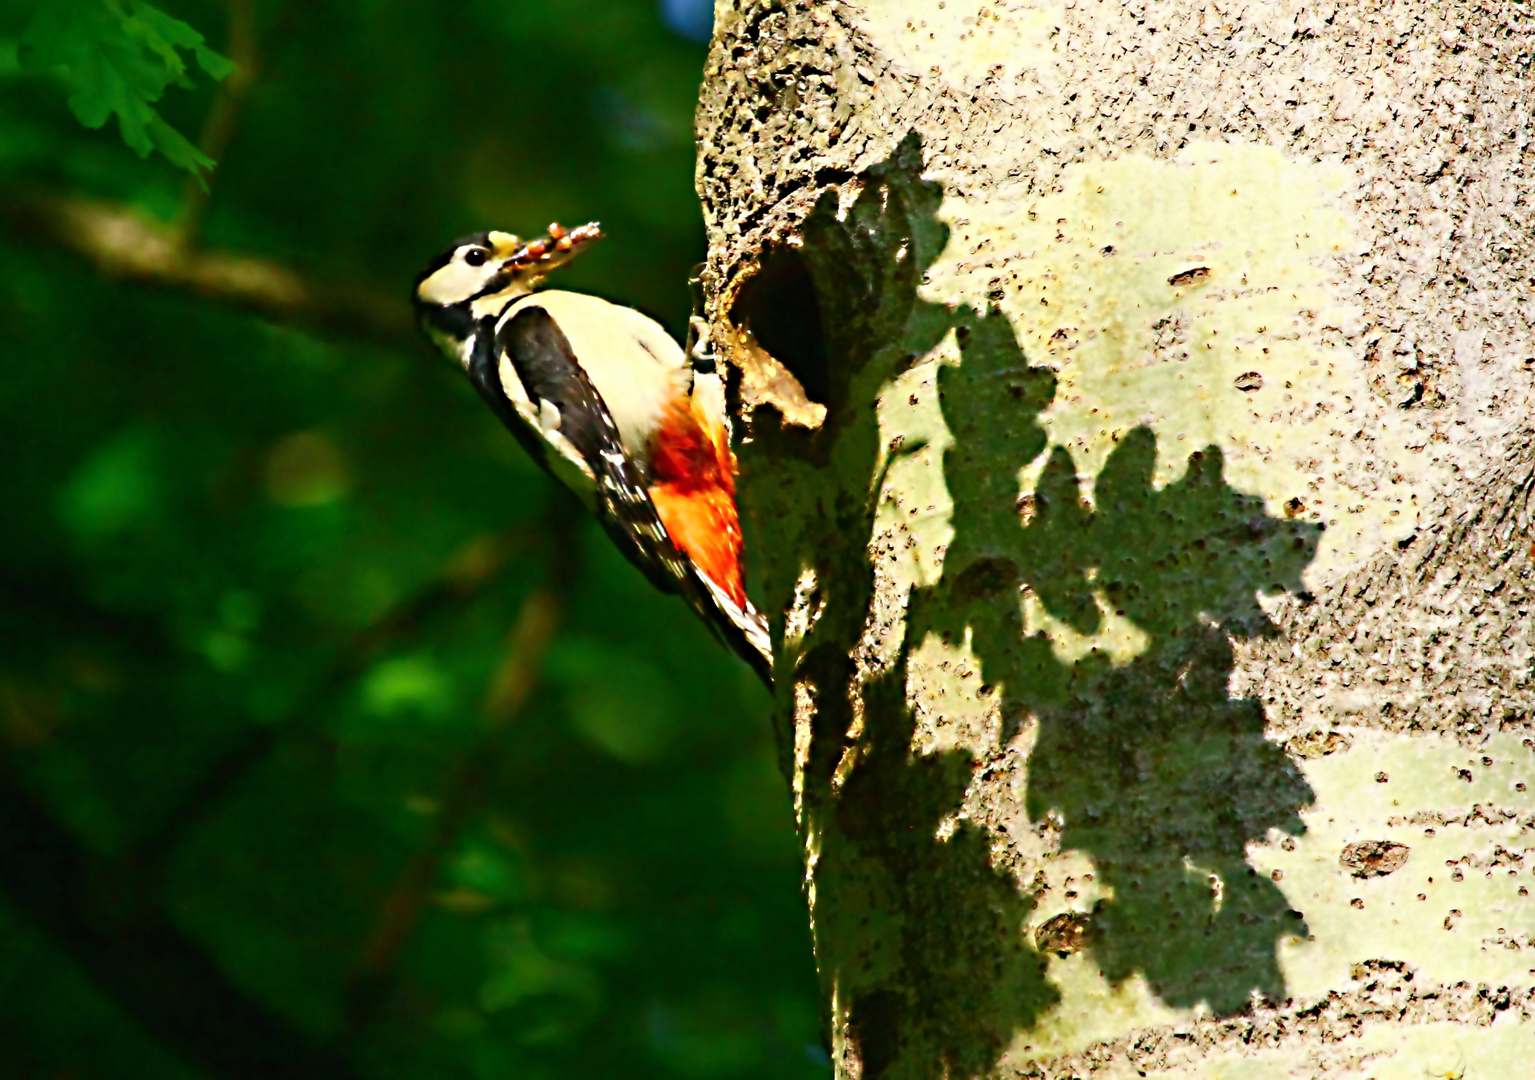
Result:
x=120 y=243
x=505 y=700
x=224 y=117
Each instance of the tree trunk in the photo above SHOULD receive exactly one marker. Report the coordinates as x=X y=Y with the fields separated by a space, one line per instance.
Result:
x=1135 y=438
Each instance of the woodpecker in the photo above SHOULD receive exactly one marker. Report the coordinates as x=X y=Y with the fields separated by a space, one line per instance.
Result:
x=611 y=405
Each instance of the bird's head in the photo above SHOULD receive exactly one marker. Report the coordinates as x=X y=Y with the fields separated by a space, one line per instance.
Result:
x=482 y=273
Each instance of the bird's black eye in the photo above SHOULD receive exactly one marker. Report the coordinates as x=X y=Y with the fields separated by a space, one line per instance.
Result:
x=476 y=256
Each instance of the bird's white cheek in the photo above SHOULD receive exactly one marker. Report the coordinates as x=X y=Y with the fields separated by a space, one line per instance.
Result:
x=453 y=283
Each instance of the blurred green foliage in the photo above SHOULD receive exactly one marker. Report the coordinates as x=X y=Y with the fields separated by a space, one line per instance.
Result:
x=261 y=792
x=118 y=56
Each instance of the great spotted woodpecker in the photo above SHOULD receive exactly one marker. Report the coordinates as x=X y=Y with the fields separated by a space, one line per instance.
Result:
x=609 y=403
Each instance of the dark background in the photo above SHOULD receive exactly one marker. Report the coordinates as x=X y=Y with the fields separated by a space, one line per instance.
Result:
x=333 y=740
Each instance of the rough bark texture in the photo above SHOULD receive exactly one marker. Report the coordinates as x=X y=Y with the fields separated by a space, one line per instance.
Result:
x=1135 y=427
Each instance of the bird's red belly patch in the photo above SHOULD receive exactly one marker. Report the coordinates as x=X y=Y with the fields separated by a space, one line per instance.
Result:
x=694 y=494
x=704 y=526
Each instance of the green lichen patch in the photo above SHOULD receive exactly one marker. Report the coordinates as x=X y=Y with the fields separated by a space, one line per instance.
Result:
x=1205 y=299
x=1457 y=905
x=968 y=41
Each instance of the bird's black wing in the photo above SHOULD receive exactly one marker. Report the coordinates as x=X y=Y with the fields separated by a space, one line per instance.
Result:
x=546 y=366
x=484 y=374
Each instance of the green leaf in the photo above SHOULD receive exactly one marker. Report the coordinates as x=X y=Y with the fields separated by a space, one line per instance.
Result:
x=214 y=65
x=118 y=58
x=176 y=147
x=411 y=684
x=120 y=486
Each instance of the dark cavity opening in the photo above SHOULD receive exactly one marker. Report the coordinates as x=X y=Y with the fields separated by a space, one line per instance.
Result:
x=780 y=307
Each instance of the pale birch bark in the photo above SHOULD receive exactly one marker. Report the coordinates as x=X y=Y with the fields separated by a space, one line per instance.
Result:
x=1136 y=439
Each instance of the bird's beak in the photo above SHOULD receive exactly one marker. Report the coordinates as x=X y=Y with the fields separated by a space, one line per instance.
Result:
x=520 y=272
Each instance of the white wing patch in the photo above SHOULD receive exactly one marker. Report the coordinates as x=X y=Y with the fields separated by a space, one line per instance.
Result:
x=566 y=462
